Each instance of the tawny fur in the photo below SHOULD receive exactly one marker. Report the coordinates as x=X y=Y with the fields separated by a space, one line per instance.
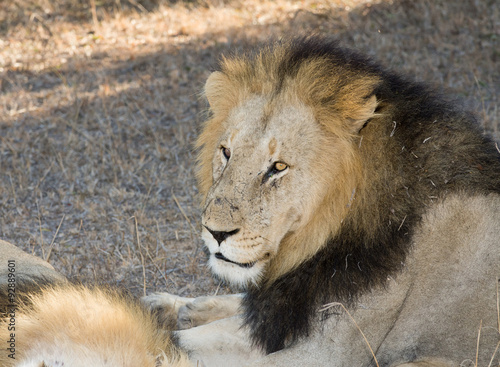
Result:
x=81 y=326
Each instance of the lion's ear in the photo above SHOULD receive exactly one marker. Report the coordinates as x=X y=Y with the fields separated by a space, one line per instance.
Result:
x=216 y=88
x=363 y=113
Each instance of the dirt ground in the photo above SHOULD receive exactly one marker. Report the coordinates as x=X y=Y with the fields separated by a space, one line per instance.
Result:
x=100 y=105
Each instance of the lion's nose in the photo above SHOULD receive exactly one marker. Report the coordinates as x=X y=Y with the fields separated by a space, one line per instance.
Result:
x=221 y=236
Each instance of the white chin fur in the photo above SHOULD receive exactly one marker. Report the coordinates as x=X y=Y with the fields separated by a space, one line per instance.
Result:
x=231 y=273
x=235 y=274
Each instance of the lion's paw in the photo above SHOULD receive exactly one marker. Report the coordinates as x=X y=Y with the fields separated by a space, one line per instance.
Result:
x=183 y=313
x=166 y=307
x=203 y=310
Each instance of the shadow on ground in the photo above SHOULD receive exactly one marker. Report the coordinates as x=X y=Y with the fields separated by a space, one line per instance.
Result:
x=96 y=156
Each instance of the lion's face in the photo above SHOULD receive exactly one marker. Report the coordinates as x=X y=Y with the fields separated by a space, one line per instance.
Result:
x=266 y=183
x=278 y=165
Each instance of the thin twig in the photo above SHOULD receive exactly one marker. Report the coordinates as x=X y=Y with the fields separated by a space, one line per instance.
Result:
x=184 y=214
x=498 y=306
x=333 y=304
x=478 y=338
x=142 y=256
x=401 y=225
x=218 y=288
x=158 y=237
x=156 y=266
x=393 y=129
x=54 y=238
x=494 y=354
x=40 y=226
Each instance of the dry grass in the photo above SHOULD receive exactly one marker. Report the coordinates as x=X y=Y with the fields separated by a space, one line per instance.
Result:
x=99 y=110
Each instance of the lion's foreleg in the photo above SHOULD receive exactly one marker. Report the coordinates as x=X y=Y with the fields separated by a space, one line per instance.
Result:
x=223 y=342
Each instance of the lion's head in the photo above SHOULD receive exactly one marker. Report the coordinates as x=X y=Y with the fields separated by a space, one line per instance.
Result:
x=278 y=164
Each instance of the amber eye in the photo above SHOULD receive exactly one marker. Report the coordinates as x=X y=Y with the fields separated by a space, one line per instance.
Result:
x=226 y=152
x=280 y=166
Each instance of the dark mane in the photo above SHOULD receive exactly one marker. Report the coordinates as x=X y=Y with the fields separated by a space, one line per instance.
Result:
x=421 y=148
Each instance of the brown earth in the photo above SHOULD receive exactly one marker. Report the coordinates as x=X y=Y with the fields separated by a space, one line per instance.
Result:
x=100 y=106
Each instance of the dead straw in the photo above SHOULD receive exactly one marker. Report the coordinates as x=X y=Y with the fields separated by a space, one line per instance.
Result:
x=334 y=304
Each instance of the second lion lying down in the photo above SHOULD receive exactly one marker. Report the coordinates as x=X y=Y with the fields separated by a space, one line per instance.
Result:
x=75 y=326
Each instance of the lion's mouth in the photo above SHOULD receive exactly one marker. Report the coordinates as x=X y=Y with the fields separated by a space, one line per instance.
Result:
x=219 y=256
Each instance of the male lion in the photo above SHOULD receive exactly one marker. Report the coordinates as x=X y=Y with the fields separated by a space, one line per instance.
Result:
x=360 y=212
